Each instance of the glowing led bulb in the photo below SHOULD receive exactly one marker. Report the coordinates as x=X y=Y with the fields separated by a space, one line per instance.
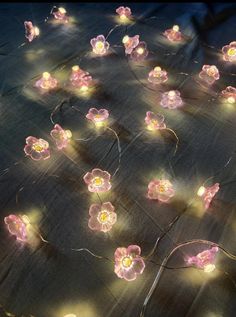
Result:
x=75 y=68
x=204 y=260
x=31 y=31
x=231 y=100
x=98 y=180
x=46 y=75
x=124 y=13
x=98 y=117
x=62 y=10
x=201 y=191
x=140 y=50
x=125 y=39
x=209 y=268
x=176 y=28
x=100 y=45
x=171 y=93
x=157 y=69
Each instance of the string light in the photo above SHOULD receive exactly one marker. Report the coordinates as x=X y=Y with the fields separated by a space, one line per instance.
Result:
x=97 y=180
x=128 y=262
x=173 y=34
x=171 y=99
x=46 y=82
x=130 y=43
x=204 y=260
x=37 y=149
x=102 y=217
x=98 y=116
x=157 y=76
x=61 y=137
x=208 y=193
x=140 y=52
x=60 y=14
x=17 y=226
x=31 y=31
x=154 y=121
x=229 y=94
x=229 y=52
x=209 y=74
x=160 y=189
x=100 y=45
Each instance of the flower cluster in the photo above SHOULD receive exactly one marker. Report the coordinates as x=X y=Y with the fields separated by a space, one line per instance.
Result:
x=128 y=262
x=80 y=78
x=229 y=94
x=98 y=181
x=60 y=15
x=173 y=34
x=46 y=82
x=102 y=217
x=171 y=99
x=154 y=121
x=98 y=116
x=160 y=189
x=204 y=260
x=136 y=49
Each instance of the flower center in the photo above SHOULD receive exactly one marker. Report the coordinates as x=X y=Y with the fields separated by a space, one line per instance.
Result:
x=171 y=94
x=231 y=51
x=37 y=147
x=209 y=268
x=98 y=181
x=231 y=99
x=103 y=216
x=161 y=188
x=140 y=50
x=127 y=261
x=46 y=75
x=211 y=71
x=99 y=45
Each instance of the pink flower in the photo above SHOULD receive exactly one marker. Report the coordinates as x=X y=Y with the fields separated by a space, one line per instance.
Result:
x=173 y=35
x=209 y=74
x=157 y=76
x=102 y=217
x=100 y=45
x=229 y=52
x=140 y=52
x=31 y=32
x=98 y=181
x=123 y=12
x=204 y=260
x=46 y=82
x=37 y=149
x=208 y=193
x=60 y=136
x=130 y=43
x=161 y=189
x=60 y=14
x=98 y=117
x=80 y=78
x=128 y=262
x=230 y=94
x=17 y=226
x=171 y=99
x=154 y=121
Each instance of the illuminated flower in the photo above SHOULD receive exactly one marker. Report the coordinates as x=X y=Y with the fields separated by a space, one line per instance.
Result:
x=157 y=76
x=60 y=14
x=102 y=217
x=230 y=94
x=208 y=193
x=100 y=45
x=17 y=226
x=154 y=121
x=37 y=149
x=173 y=34
x=31 y=32
x=99 y=117
x=128 y=262
x=80 y=78
x=209 y=74
x=204 y=260
x=171 y=99
x=161 y=189
x=140 y=52
x=123 y=12
x=46 y=82
x=229 y=52
x=130 y=43
x=61 y=137
x=98 y=180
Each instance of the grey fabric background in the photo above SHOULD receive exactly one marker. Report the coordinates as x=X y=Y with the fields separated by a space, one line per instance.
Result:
x=51 y=280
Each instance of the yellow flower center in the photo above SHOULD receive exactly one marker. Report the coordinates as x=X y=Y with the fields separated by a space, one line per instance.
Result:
x=140 y=50
x=161 y=188
x=127 y=261
x=103 y=216
x=231 y=51
x=211 y=71
x=209 y=268
x=46 y=75
x=98 y=181
x=37 y=147
x=171 y=94
x=99 y=45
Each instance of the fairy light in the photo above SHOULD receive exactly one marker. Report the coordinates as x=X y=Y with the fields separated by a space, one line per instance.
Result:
x=125 y=39
x=176 y=28
x=231 y=100
x=157 y=69
x=62 y=10
x=209 y=268
x=140 y=50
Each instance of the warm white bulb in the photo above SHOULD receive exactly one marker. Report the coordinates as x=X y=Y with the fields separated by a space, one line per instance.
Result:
x=46 y=75
x=201 y=191
x=157 y=69
x=176 y=28
x=209 y=268
x=231 y=100
x=125 y=39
